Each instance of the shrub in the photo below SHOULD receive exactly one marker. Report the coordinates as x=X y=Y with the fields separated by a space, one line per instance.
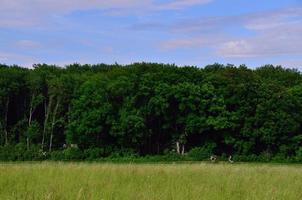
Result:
x=93 y=153
x=247 y=158
x=202 y=153
x=298 y=157
x=7 y=153
x=20 y=152
x=73 y=154
x=57 y=155
x=124 y=153
x=265 y=156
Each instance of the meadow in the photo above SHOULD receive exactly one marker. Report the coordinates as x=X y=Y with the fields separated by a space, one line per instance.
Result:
x=67 y=181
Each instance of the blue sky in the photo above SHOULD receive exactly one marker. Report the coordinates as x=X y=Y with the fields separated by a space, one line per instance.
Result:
x=184 y=32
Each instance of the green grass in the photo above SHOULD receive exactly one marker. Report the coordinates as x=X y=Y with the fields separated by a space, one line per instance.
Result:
x=51 y=180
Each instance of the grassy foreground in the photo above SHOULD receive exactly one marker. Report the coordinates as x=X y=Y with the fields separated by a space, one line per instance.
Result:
x=149 y=181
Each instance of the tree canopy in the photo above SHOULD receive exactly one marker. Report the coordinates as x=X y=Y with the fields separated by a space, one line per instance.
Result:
x=152 y=109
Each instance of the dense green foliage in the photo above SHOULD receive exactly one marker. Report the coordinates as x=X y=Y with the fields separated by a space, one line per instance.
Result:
x=146 y=109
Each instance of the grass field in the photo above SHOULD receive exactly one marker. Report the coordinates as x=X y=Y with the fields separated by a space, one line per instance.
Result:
x=149 y=181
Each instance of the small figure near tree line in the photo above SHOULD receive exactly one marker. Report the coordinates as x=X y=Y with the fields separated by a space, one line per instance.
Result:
x=230 y=159
x=213 y=158
x=65 y=146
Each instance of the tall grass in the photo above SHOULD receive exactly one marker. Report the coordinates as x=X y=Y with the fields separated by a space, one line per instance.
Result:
x=149 y=181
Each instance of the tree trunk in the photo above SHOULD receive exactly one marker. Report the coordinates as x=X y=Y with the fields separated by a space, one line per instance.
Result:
x=183 y=149
x=53 y=123
x=177 y=147
x=5 y=121
x=30 y=118
x=47 y=112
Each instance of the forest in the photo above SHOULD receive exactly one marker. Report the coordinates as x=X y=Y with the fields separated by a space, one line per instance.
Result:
x=81 y=112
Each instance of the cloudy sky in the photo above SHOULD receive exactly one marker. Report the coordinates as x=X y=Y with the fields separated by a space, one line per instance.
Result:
x=184 y=32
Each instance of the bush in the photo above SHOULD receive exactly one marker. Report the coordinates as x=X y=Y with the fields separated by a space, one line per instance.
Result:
x=124 y=153
x=298 y=157
x=246 y=158
x=73 y=154
x=279 y=158
x=34 y=153
x=57 y=155
x=7 y=153
x=20 y=152
x=202 y=153
x=93 y=153
x=67 y=154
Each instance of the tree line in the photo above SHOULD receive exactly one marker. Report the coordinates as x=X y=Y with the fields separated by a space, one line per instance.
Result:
x=151 y=109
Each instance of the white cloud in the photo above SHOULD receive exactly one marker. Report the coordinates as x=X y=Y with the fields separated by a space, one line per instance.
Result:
x=201 y=41
x=180 y=4
x=20 y=13
x=273 y=19
x=291 y=64
x=181 y=43
x=18 y=59
x=276 y=34
x=27 y=44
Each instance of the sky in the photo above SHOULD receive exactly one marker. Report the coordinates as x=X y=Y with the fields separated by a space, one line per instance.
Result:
x=181 y=32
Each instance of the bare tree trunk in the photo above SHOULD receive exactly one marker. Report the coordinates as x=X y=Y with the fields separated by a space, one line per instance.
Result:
x=27 y=142
x=31 y=111
x=183 y=150
x=53 y=123
x=5 y=121
x=47 y=112
x=177 y=147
